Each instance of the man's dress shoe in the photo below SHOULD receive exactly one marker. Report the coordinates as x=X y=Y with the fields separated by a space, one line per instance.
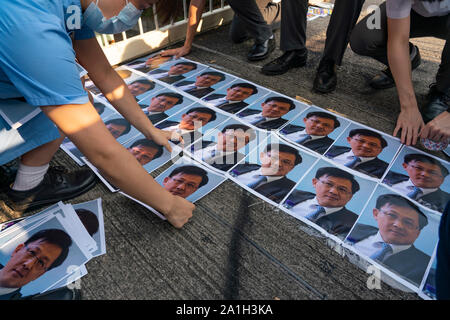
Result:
x=290 y=59
x=438 y=102
x=326 y=78
x=260 y=51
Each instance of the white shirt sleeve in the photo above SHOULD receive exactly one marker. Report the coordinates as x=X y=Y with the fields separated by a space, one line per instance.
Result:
x=398 y=9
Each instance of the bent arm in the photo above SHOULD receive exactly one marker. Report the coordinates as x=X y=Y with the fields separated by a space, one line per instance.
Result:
x=196 y=8
x=83 y=126
x=410 y=120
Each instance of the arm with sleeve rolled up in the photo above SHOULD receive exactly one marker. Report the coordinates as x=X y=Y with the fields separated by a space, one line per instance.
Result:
x=196 y=8
x=409 y=120
x=91 y=57
x=83 y=126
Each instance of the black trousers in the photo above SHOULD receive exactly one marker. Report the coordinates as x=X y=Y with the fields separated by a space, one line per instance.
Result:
x=293 y=22
x=373 y=42
x=343 y=20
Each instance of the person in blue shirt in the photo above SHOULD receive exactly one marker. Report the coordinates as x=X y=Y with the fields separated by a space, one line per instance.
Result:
x=38 y=70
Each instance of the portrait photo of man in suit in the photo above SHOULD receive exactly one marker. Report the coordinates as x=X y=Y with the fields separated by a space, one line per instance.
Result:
x=334 y=188
x=139 y=87
x=118 y=127
x=422 y=183
x=146 y=65
x=185 y=180
x=160 y=103
x=269 y=179
x=314 y=135
x=145 y=150
x=362 y=155
x=233 y=100
x=270 y=115
x=399 y=224
x=192 y=120
x=224 y=153
x=43 y=251
x=202 y=85
x=175 y=72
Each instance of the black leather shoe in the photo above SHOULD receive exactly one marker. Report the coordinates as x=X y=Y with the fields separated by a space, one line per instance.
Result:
x=438 y=102
x=385 y=80
x=58 y=185
x=260 y=51
x=326 y=78
x=290 y=59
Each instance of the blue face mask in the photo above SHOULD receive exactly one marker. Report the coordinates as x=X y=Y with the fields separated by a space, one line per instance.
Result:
x=126 y=19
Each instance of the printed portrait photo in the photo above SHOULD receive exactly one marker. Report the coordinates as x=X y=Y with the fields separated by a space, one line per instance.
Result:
x=330 y=197
x=204 y=83
x=271 y=113
x=364 y=150
x=272 y=169
x=236 y=96
x=163 y=104
x=176 y=71
x=149 y=63
x=314 y=129
x=192 y=123
x=226 y=145
x=397 y=234
x=420 y=177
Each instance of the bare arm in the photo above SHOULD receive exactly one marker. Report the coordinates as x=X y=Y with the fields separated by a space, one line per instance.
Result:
x=83 y=126
x=409 y=120
x=195 y=14
x=92 y=58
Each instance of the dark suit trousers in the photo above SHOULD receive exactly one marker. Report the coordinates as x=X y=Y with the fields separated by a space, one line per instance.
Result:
x=373 y=42
x=343 y=20
x=293 y=22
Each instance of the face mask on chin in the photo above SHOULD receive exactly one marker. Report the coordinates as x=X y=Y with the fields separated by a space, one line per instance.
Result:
x=125 y=20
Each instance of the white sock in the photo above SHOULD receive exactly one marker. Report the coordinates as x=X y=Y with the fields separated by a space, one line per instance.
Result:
x=29 y=177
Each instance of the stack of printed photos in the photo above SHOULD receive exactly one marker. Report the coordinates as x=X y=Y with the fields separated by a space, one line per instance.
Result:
x=358 y=186
x=49 y=249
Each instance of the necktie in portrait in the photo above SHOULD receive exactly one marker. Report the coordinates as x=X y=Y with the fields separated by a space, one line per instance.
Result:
x=353 y=163
x=314 y=215
x=382 y=252
x=259 y=179
x=414 y=193
x=304 y=139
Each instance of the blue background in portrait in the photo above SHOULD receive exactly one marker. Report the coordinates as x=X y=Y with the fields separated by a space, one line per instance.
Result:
x=175 y=109
x=250 y=100
x=155 y=163
x=359 y=199
x=387 y=154
x=75 y=257
x=299 y=107
x=214 y=178
x=398 y=168
x=211 y=135
x=299 y=170
x=333 y=135
x=218 y=85
x=428 y=237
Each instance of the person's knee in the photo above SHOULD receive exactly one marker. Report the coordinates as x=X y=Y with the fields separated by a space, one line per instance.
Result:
x=358 y=42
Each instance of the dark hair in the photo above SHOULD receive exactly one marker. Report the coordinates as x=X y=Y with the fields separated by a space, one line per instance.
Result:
x=285 y=148
x=245 y=85
x=397 y=200
x=186 y=63
x=57 y=237
x=172 y=95
x=167 y=10
x=427 y=159
x=89 y=220
x=150 y=144
x=203 y=110
x=282 y=99
x=214 y=73
x=99 y=107
x=145 y=81
x=338 y=173
x=246 y=129
x=120 y=122
x=324 y=115
x=192 y=170
x=368 y=133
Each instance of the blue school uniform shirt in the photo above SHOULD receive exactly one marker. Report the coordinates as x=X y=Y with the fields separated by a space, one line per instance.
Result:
x=37 y=60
